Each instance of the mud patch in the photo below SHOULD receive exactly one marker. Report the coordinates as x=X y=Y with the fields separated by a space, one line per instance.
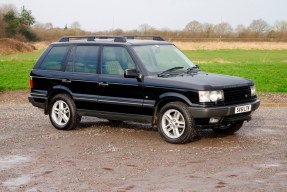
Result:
x=127 y=188
x=220 y=184
x=107 y=169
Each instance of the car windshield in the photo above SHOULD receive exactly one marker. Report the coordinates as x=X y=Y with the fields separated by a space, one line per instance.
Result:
x=161 y=58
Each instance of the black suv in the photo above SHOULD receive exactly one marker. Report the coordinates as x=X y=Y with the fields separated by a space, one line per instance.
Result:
x=130 y=78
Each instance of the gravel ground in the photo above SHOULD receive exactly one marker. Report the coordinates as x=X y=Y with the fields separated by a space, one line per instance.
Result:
x=101 y=156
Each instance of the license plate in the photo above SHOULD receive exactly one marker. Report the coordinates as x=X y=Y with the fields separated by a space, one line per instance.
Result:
x=242 y=109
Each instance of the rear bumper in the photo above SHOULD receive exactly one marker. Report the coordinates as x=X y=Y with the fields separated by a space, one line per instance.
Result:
x=36 y=103
x=220 y=111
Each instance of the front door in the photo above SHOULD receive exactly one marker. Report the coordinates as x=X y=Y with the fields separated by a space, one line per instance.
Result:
x=118 y=94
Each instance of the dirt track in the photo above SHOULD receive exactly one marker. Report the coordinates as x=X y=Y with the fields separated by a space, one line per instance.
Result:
x=100 y=156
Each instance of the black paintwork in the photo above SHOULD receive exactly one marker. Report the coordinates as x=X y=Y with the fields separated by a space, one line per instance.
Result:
x=124 y=98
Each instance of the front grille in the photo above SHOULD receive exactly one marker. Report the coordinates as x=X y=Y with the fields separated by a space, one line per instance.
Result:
x=237 y=95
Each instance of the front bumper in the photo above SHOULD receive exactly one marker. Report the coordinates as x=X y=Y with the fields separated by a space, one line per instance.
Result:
x=220 y=111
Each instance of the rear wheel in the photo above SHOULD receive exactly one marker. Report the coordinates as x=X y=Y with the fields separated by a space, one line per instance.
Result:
x=63 y=113
x=228 y=129
x=175 y=123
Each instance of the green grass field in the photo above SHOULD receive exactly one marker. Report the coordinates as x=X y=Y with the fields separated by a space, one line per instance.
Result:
x=267 y=68
x=15 y=70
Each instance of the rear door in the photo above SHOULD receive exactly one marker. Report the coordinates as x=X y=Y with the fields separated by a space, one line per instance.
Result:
x=81 y=75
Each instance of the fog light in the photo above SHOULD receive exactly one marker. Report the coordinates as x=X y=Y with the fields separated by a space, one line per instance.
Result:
x=214 y=119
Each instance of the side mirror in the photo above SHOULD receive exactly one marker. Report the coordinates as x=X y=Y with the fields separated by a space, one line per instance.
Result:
x=197 y=66
x=132 y=73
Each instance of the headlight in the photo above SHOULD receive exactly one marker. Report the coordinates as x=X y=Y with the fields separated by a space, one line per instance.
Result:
x=253 y=90
x=211 y=96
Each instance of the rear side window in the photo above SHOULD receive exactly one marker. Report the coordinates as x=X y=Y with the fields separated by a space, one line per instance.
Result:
x=55 y=59
x=83 y=59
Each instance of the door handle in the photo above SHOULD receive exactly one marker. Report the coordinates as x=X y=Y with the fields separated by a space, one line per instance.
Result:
x=66 y=81
x=103 y=84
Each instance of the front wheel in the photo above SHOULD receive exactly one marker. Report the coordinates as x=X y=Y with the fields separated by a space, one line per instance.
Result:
x=62 y=112
x=176 y=124
x=228 y=129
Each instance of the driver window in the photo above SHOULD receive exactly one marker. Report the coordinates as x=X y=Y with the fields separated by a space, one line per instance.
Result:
x=116 y=60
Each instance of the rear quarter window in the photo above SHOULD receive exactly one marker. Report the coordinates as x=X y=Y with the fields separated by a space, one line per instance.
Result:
x=55 y=59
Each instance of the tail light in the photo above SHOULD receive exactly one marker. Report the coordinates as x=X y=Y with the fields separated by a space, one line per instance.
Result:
x=31 y=82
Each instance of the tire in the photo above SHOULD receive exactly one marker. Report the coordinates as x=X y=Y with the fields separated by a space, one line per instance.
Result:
x=229 y=129
x=63 y=112
x=175 y=123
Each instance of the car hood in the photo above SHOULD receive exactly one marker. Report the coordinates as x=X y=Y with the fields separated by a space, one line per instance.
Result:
x=198 y=81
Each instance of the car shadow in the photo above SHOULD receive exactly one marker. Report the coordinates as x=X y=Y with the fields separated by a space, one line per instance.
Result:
x=115 y=125
x=102 y=123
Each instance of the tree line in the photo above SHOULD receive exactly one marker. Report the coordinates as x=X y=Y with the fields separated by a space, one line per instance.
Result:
x=22 y=25
x=17 y=24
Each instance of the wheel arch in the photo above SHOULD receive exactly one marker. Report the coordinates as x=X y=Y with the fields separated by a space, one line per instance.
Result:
x=166 y=98
x=58 y=89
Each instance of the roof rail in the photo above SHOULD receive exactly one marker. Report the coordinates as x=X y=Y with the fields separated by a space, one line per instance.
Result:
x=92 y=38
x=154 y=37
x=116 y=38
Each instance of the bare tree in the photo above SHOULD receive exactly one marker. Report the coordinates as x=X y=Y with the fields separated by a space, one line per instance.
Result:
x=223 y=29
x=259 y=26
x=117 y=31
x=194 y=27
x=207 y=29
x=75 y=25
x=280 y=26
x=143 y=28
x=39 y=25
x=240 y=28
x=48 y=25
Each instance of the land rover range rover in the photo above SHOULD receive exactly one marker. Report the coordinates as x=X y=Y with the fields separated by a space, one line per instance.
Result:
x=125 y=78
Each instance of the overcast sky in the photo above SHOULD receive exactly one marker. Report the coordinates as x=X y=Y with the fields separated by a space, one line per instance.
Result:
x=173 y=14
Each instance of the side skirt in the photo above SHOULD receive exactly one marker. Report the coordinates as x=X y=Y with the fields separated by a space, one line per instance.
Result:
x=115 y=116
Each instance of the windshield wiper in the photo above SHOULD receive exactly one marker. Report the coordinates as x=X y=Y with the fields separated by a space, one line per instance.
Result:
x=169 y=70
x=192 y=69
